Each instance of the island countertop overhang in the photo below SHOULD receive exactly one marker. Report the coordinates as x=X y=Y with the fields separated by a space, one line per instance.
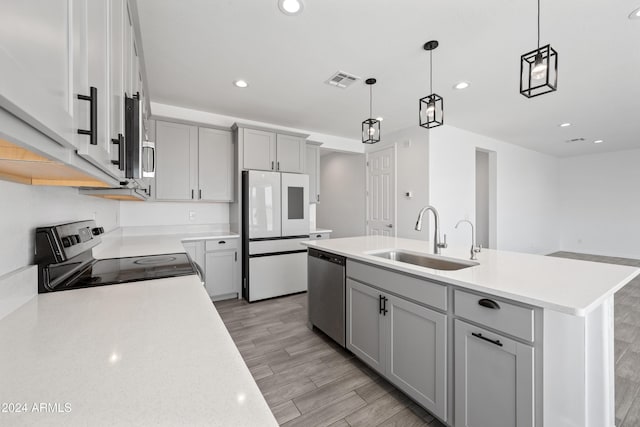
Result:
x=564 y=285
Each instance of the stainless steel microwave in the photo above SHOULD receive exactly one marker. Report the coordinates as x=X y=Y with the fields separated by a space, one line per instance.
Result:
x=140 y=154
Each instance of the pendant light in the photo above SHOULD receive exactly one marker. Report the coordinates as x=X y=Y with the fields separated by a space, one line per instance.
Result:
x=431 y=106
x=539 y=69
x=371 y=126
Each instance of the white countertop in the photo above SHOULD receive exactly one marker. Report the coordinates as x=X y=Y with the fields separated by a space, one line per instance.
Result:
x=564 y=285
x=119 y=244
x=144 y=353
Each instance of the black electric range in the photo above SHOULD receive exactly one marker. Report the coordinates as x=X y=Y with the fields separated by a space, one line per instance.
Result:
x=65 y=261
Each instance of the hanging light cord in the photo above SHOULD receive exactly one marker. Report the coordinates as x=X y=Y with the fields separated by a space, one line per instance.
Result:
x=431 y=71
x=371 y=101
x=538 y=24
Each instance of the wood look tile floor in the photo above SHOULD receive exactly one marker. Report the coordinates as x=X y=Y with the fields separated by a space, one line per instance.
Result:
x=310 y=381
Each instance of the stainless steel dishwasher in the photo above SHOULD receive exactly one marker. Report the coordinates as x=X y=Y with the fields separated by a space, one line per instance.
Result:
x=326 y=279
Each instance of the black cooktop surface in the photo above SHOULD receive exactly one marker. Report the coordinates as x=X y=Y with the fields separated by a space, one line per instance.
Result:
x=132 y=269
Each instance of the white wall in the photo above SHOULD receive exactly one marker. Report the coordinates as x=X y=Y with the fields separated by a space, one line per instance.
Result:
x=173 y=213
x=483 y=194
x=342 y=198
x=527 y=194
x=412 y=175
x=26 y=207
x=331 y=142
x=600 y=204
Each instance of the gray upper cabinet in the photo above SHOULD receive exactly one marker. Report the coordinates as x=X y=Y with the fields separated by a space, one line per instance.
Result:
x=312 y=168
x=39 y=72
x=290 y=153
x=494 y=382
x=215 y=165
x=259 y=150
x=264 y=150
x=193 y=163
x=365 y=325
x=417 y=353
x=176 y=158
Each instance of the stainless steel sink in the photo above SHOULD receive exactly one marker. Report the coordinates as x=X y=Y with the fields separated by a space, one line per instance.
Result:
x=436 y=262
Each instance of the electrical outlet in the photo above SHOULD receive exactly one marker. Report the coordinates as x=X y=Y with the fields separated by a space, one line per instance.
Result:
x=192 y=215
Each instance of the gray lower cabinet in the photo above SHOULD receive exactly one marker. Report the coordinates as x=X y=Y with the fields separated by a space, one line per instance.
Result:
x=494 y=379
x=403 y=341
x=221 y=274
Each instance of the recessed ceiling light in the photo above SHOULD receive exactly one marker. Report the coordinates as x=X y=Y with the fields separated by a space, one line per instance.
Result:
x=598 y=141
x=379 y=119
x=241 y=83
x=290 y=7
x=635 y=14
x=565 y=125
x=461 y=85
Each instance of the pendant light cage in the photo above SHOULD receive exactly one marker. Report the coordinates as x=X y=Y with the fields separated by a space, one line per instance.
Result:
x=371 y=126
x=431 y=107
x=539 y=69
x=539 y=72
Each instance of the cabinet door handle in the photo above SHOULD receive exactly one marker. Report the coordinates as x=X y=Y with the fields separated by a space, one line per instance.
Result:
x=272 y=164
x=222 y=242
x=93 y=115
x=191 y=194
x=121 y=151
x=318 y=198
x=236 y=256
x=200 y=194
x=496 y=342
x=277 y=166
x=380 y=304
x=384 y=306
x=488 y=303
x=318 y=236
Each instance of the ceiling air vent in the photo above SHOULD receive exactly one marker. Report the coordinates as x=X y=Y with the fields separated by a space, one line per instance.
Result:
x=569 y=141
x=342 y=80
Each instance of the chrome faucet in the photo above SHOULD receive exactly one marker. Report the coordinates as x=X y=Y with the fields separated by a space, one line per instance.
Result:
x=474 y=249
x=437 y=246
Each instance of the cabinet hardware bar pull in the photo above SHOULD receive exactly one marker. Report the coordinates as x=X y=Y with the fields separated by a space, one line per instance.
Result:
x=119 y=141
x=191 y=194
x=496 y=342
x=384 y=306
x=271 y=164
x=221 y=242
x=278 y=166
x=93 y=115
x=489 y=304
x=380 y=304
x=200 y=194
x=318 y=198
x=236 y=256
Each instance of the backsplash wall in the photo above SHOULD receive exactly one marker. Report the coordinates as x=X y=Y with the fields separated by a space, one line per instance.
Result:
x=134 y=214
x=25 y=207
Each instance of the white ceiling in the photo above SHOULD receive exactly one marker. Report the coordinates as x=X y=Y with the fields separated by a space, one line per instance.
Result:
x=195 y=49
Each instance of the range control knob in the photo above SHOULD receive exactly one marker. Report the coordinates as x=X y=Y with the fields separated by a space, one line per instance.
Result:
x=66 y=242
x=75 y=239
x=97 y=231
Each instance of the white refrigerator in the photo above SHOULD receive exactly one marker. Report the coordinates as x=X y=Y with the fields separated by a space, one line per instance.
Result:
x=275 y=211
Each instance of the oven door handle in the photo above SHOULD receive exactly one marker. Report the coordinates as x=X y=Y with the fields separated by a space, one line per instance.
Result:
x=199 y=272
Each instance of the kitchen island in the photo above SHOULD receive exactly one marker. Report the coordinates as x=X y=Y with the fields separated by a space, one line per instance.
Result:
x=509 y=339
x=152 y=352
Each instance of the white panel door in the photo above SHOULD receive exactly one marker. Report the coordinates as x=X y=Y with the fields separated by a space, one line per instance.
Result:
x=295 y=204
x=176 y=161
x=116 y=71
x=259 y=150
x=39 y=48
x=221 y=273
x=290 y=153
x=365 y=325
x=215 y=165
x=264 y=204
x=273 y=276
x=417 y=352
x=493 y=379
x=312 y=168
x=381 y=192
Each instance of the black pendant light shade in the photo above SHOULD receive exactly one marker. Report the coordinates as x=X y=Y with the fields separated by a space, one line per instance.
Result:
x=539 y=72
x=539 y=69
x=431 y=106
x=371 y=126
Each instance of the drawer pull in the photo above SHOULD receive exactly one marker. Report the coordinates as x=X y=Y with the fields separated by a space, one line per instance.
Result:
x=318 y=235
x=496 y=342
x=222 y=242
x=489 y=304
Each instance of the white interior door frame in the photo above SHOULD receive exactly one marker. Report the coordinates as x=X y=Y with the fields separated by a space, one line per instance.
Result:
x=381 y=191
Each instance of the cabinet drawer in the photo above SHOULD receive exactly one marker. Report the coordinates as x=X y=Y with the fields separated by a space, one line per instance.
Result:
x=319 y=236
x=506 y=317
x=221 y=244
x=420 y=290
